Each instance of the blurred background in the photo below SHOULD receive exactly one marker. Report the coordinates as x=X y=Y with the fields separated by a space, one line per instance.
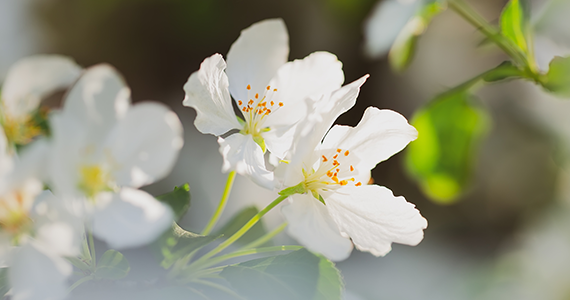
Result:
x=506 y=237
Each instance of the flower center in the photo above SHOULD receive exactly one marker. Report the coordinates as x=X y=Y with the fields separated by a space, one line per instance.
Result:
x=94 y=179
x=333 y=172
x=19 y=131
x=14 y=210
x=256 y=109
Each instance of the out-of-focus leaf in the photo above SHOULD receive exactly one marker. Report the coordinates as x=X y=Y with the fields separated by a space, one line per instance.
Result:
x=515 y=24
x=176 y=243
x=4 y=282
x=297 y=275
x=178 y=199
x=557 y=80
x=112 y=265
x=403 y=49
x=503 y=71
x=78 y=263
x=257 y=231
x=450 y=128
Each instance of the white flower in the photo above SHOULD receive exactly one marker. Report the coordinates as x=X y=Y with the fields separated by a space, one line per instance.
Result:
x=28 y=81
x=268 y=90
x=34 y=238
x=103 y=148
x=339 y=205
x=385 y=23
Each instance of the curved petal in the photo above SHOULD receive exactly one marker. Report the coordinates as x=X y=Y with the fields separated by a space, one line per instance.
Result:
x=374 y=218
x=6 y=161
x=145 y=144
x=98 y=100
x=34 y=274
x=255 y=56
x=311 y=225
x=385 y=23
x=243 y=155
x=32 y=78
x=130 y=218
x=207 y=92
x=315 y=75
x=379 y=135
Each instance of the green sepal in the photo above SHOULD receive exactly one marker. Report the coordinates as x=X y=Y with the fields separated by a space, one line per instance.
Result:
x=261 y=142
x=298 y=189
x=240 y=120
x=505 y=70
x=515 y=24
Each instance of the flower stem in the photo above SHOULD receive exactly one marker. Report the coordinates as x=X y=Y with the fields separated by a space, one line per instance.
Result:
x=241 y=231
x=79 y=282
x=473 y=17
x=222 y=205
x=221 y=258
x=92 y=251
x=265 y=238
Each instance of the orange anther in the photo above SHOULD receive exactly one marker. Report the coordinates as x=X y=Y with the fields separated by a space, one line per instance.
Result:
x=338 y=150
x=338 y=170
x=335 y=156
x=346 y=153
x=250 y=102
x=335 y=179
x=351 y=168
x=280 y=103
x=256 y=96
x=275 y=90
x=335 y=163
x=324 y=158
x=329 y=174
x=268 y=87
x=272 y=103
x=249 y=87
x=358 y=184
x=240 y=103
x=351 y=179
x=343 y=182
x=269 y=111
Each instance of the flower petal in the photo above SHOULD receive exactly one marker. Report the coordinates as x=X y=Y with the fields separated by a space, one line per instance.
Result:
x=312 y=226
x=34 y=274
x=6 y=160
x=32 y=78
x=255 y=56
x=313 y=76
x=374 y=218
x=146 y=143
x=385 y=23
x=207 y=92
x=130 y=218
x=243 y=155
x=97 y=101
x=379 y=135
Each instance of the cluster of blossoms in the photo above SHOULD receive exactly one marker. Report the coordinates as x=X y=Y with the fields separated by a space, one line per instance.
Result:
x=100 y=149
x=288 y=108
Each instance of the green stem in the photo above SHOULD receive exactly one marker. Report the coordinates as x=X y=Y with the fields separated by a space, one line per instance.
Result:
x=92 y=251
x=219 y=287
x=222 y=205
x=221 y=258
x=473 y=17
x=241 y=231
x=79 y=282
x=267 y=237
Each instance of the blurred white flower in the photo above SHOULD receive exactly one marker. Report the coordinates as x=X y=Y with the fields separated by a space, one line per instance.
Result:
x=551 y=24
x=339 y=205
x=267 y=89
x=28 y=81
x=34 y=238
x=103 y=148
x=385 y=22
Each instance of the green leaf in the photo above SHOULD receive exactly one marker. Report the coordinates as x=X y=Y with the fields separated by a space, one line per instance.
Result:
x=112 y=265
x=4 y=282
x=179 y=200
x=78 y=263
x=297 y=275
x=557 y=80
x=450 y=129
x=237 y=222
x=503 y=71
x=515 y=24
x=403 y=49
x=176 y=243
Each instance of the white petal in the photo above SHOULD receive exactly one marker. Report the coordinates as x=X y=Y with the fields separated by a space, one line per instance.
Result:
x=5 y=249
x=34 y=77
x=243 y=155
x=97 y=101
x=379 y=135
x=37 y=275
x=255 y=56
x=145 y=144
x=6 y=161
x=315 y=75
x=207 y=92
x=374 y=218
x=385 y=23
x=131 y=218
x=311 y=225
x=322 y=115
